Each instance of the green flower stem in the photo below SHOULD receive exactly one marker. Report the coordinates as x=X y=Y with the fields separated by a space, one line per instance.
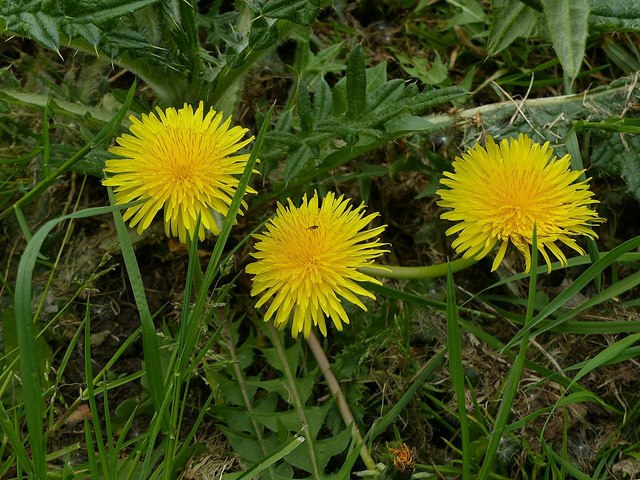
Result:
x=418 y=273
x=341 y=402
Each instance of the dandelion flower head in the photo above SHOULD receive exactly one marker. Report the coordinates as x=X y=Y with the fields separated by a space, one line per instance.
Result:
x=181 y=161
x=497 y=194
x=307 y=260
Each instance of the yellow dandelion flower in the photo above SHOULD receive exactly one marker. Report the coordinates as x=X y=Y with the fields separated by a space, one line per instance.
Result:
x=307 y=260
x=498 y=193
x=180 y=161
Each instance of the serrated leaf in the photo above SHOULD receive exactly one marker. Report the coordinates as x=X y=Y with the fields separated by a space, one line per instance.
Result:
x=302 y=12
x=88 y=32
x=426 y=100
x=291 y=419
x=356 y=84
x=297 y=162
x=247 y=446
x=408 y=123
x=324 y=449
x=387 y=94
x=89 y=20
x=235 y=417
x=618 y=158
x=229 y=388
x=304 y=109
x=322 y=101
x=106 y=10
x=511 y=19
x=264 y=33
x=615 y=15
x=38 y=26
x=292 y=354
x=304 y=384
x=567 y=21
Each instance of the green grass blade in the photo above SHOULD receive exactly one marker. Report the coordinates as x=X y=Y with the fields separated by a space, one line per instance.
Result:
x=294 y=393
x=95 y=414
x=282 y=452
x=214 y=261
x=456 y=371
x=32 y=389
x=106 y=132
x=422 y=376
x=614 y=290
x=150 y=347
x=577 y=285
x=16 y=442
x=515 y=373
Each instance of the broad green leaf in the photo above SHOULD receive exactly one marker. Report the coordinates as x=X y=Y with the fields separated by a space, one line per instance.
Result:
x=304 y=109
x=302 y=12
x=297 y=162
x=615 y=15
x=618 y=158
x=38 y=25
x=376 y=76
x=512 y=19
x=356 y=84
x=291 y=419
x=287 y=448
x=305 y=387
x=567 y=21
x=246 y=445
x=292 y=354
x=407 y=123
x=324 y=450
x=322 y=101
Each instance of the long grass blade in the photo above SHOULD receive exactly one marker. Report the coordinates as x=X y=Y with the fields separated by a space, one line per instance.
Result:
x=456 y=372
x=31 y=385
x=106 y=132
x=282 y=452
x=578 y=284
x=150 y=346
x=515 y=373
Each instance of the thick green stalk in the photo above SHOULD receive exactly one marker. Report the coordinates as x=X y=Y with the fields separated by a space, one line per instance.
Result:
x=418 y=273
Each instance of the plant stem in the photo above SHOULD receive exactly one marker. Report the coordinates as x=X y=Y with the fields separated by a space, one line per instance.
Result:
x=418 y=273
x=341 y=402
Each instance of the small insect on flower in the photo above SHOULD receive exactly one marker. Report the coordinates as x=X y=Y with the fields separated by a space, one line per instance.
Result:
x=181 y=161
x=307 y=260
x=404 y=458
x=497 y=194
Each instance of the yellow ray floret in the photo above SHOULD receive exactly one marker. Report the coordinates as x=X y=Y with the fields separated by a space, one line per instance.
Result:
x=498 y=193
x=307 y=260
x=180 y=161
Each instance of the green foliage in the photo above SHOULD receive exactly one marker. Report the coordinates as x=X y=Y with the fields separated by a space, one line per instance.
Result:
x=565 y=22
x=261 y=412
x=619 y=158
x=362 y=111
x=364 y=95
